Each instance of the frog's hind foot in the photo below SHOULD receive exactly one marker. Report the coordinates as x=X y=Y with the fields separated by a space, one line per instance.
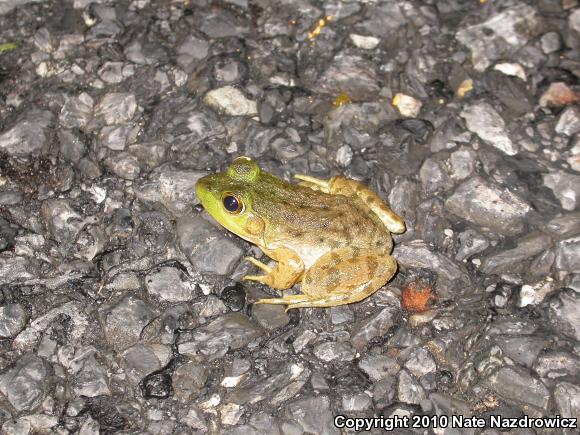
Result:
x=347 y=187
x=273 y=280
x=290 y=301
x=313 y=183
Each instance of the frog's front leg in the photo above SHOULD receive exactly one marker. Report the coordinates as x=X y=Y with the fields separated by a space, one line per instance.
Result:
x=286 y=273
x=341 y=277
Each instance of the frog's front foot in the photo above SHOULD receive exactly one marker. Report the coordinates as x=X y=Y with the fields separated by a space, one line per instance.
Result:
x=258 y=263
x=281 y=277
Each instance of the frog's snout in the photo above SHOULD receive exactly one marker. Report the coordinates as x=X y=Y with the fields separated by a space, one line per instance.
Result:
x=202 y=189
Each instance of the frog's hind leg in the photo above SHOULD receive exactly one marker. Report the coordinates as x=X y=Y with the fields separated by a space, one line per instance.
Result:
x=347 y=187
x=339 y=278
x=344 y=277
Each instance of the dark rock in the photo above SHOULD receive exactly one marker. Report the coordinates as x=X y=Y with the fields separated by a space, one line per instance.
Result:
x=24 y=384
x=483 y=120
x=564 y=313
x=157 y=385
x=105 y=411
x=500 y=35
x=234 y=297
x=270 y=317
x=232 y=331
x=170 y=284
x=516 y=260
x=124 y=321
x=376 y=325
x=312 y=415
x=566 y=188
x=566 y=396
x=171 y=185
x=29 y=135
x=416 y=254
x=116 y=108
x=188 y=379
x=488 y=206
x=77 y=111
x=353 y=75
x=334 y=351
x=207 y=247
x=13 y=319
x=286 y=382
x=517 y=386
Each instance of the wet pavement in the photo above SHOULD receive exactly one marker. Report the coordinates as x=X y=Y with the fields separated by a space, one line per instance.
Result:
x=122 y=308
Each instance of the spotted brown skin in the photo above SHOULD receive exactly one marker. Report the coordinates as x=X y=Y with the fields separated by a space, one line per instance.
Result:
x=333 y=236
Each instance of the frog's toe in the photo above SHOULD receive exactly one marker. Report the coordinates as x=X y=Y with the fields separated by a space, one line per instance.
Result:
x=291 y=306
x=259 y=264
x=258 y=278
x=286 y=300
x=313 y=183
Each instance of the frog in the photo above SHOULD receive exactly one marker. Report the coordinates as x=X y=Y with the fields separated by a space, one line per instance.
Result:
x=332 y=236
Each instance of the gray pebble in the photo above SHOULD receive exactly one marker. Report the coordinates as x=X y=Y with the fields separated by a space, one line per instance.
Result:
x=518 y=386
x=232 y=331
x=24 y=384
x=487 y=205
x=334 y=351
x=171 y=185
x=28 y=135
x=169 y=284
x=124 y=320
x=13 y=319
x=312 y=415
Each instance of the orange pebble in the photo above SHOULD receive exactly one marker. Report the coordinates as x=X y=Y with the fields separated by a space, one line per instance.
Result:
x=416 y=296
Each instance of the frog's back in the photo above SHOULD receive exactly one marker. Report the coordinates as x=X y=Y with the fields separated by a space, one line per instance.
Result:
x=301 y=218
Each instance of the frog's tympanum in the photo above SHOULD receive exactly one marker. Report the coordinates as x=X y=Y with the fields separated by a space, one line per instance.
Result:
x=333 y=236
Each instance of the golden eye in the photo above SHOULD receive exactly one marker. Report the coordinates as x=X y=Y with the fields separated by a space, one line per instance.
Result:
x=232 y=203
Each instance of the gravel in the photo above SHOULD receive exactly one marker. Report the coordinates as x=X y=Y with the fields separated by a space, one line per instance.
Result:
x=122 y=307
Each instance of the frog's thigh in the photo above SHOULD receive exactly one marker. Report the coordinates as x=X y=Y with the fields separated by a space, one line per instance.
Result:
x=286 y=273
x=347 y=187
x=340 y=278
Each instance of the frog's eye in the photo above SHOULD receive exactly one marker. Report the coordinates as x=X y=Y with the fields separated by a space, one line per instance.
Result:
x=232 y=203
